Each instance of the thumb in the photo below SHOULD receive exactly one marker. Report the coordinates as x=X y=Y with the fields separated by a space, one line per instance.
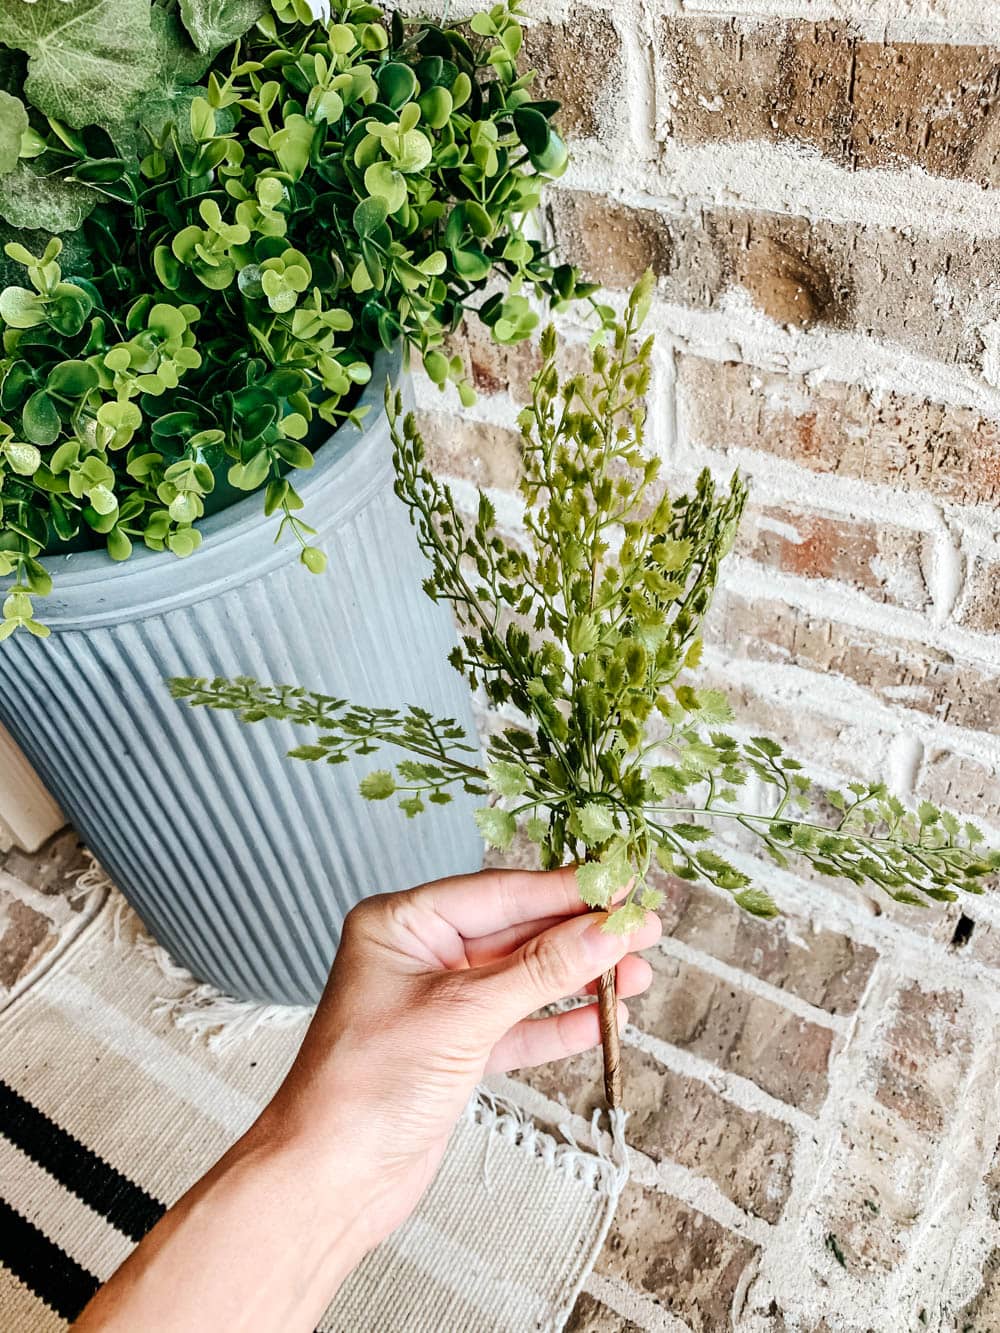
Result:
x=555 y=963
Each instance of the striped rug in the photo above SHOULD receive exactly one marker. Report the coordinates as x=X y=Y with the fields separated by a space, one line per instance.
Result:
x=110 y=1109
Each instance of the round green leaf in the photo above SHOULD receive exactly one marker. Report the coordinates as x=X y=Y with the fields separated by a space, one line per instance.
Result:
x=386 y=184
x=314 y=559
x=370 y=215
x=24 y=459
x=40 y=419
x=532 y=129
x=397 y=83
x=13 y=123
x=119 y=546
x=72 y=378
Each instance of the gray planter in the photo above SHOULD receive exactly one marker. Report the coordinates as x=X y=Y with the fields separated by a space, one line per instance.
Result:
x=241 y=861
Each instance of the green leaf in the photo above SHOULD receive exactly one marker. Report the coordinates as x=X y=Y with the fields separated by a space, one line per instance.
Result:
x=397 y=84
x=72 y=378
x=308 y=752
x=30 y=199
x=536 y=828
x=386 y=184
x=626 y=919
x=599 y=881
x=377 y=786
x=532 y=129
x=757 y=902
x=292 y=144
x=40 y=420
x=691 y=832
x=596 y=824
x=214 y=24
x=714 y=708
x=90 y=59
x=24 y=459
x=119 y=545
x=369 y=215
x=497 y=826
x=506 y=779
x=766 y=746
x=314 y=559
x=21 y=308
x=13 y=123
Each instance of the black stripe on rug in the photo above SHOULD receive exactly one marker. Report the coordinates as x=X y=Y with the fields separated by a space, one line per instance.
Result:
x=41 y=1265
x=103 y=1188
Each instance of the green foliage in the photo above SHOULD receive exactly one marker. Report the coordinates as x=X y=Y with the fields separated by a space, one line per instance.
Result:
x=591 y=629
x=216 y=213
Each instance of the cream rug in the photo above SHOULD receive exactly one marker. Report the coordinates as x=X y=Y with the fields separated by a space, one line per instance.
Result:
x=121 y=1082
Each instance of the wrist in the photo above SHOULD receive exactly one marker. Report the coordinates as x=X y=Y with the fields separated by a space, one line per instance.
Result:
x=315 y=1184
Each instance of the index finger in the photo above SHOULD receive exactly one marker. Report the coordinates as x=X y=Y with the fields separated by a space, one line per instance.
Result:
x=492 y=900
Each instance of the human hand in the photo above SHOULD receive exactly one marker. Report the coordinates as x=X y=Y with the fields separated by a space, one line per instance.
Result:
x=431 y=989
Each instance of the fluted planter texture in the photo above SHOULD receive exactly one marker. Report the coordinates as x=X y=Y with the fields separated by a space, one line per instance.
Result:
x=240 y=861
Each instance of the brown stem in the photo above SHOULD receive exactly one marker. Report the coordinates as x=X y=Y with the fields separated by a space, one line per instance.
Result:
x=607 y=1013
x=607 y=1007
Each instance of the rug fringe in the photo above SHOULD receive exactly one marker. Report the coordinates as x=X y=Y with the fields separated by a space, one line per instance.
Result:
x=207 y=1014
x=604 y=1168
x=199 y=1009
x=92 y=884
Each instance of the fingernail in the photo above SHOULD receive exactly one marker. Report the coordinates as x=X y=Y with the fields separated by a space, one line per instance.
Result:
x=600 y=945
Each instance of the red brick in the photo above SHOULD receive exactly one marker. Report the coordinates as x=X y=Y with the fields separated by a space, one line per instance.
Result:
x=748 y=1155
x=495 y=367
x=737 y=1031
x=685 y=1260
x=822 y=967
x=860 y=103
x=54 y=868
x=580 y=65
x=982 y=1314
x=949 y=452
x=25 y=937
x=875 y=1190
x=923 y=1056
x=612 y=243
x=472 y=450
x=961 y=784
x=590 y=1316
x=980 y=606
x=903 y=672
x=908 y=288
x=880 y=560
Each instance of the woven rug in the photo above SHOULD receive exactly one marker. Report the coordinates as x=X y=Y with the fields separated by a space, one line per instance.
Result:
x=121 y=1082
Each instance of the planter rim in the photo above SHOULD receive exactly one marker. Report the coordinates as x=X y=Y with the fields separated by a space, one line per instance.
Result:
x=90 y=590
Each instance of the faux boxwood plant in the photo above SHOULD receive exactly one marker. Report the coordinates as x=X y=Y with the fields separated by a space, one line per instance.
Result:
x=213 y=214
x=590 y=629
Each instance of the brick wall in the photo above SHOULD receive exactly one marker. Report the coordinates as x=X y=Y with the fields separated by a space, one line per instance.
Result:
x=815 y=184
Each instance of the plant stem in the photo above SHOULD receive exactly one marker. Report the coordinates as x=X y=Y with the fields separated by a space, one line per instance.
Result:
x=607 y=1009
x=607 y=1014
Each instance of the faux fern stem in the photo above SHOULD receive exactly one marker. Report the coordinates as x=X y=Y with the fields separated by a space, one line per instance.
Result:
x=611 y=1042
x=588 y=628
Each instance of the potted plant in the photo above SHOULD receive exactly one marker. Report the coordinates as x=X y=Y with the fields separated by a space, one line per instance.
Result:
x=223 y=227
x=590 y=630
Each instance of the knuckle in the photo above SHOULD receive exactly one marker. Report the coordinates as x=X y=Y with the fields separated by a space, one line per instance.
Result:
x=546 y=963
x=402 y=912
x=364 y=914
